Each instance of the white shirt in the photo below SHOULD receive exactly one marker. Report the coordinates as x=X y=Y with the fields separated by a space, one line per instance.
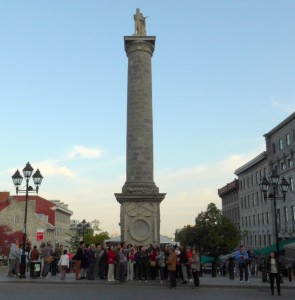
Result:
x=64 y=260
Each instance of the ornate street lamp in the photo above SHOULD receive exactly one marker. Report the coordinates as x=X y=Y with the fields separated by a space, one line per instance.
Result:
x=284 y=187
x=83 y=227
x=17 y=180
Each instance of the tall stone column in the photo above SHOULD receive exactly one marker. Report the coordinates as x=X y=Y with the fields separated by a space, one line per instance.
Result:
x=140 y=198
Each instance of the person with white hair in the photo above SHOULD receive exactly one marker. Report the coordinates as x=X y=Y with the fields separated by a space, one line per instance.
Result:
x=13 y=259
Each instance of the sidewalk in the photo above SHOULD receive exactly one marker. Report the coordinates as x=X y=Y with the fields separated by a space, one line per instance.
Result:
x=206 y=280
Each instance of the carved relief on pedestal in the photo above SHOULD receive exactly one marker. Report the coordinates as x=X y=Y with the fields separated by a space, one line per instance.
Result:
x=140 y=216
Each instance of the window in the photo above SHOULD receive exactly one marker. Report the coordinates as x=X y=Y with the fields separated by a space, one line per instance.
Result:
x=281 y=144
x=254 y=220
x=286 y=214
x=283 y=166
x=291 y=182
x=256 y=177
x=273 y=148
x=15 y=219
x=262 y=218
x=278 y=216
x=290 y=163
x=293 y=213
x=258 y=219
x=267 y=218
x=288 y=139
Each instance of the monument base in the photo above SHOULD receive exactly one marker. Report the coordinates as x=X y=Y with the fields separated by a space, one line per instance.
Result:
x=140 y=217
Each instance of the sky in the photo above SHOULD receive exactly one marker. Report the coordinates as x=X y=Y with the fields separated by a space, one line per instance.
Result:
x=223 y=75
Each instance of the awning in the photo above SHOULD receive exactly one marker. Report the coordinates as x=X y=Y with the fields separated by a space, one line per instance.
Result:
x=282 y=244
x=206 y=259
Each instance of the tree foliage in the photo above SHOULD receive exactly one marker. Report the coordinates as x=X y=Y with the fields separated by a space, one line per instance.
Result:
x=91 y=235
x=213 y=233
x=6 y=238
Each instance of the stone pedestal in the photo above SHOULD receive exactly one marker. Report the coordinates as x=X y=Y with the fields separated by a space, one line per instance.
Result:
x=140 y=198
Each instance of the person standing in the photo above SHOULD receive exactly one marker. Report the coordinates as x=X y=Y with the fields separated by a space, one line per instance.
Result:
x=78 y=259
x=273 y=269
x=130 y=262
x=13 y=259
x=183 y=263
x=111 y=256
x=171 y=263
x=141 y=259
x=161 y=263
x=195 y=267
x=64 y=264
x=46 y=252
x=242 y=258
x=122 y=261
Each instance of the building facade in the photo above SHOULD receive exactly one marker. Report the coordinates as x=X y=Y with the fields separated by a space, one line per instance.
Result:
x=229 y=195
x=46 y=220
x=256 y=214
x=280 y=145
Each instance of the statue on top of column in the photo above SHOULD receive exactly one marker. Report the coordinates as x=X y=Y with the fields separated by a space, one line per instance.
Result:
x=139 y=22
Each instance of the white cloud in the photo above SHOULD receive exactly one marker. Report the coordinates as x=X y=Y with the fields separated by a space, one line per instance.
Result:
x=84 y=152
x=189 y=191
x=52 y=169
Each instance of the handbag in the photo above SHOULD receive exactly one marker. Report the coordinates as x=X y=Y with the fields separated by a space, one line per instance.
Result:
x=49 y=260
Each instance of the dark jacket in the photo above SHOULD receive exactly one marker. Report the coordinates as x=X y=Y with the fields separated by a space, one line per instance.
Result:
x=278 y=265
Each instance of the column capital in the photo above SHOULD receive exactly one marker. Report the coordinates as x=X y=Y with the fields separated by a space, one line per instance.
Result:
x=139 y=43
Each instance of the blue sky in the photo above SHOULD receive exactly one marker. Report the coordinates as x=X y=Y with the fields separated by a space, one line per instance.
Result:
x=223 y=75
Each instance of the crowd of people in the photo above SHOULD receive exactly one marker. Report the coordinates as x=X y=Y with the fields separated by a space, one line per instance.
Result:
x=124 y=263
x=131 y=262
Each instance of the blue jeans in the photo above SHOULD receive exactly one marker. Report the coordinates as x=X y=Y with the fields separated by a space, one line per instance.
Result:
x=46 y=268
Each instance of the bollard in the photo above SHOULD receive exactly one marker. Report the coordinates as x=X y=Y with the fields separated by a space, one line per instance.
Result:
x=264 y=274
x=201 y=270
x=213 y=268
x=231 y=268
x=290 y=273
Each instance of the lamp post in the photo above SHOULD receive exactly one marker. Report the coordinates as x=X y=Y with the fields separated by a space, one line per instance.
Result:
x=17 y=179
x=83 y=227
x=284 y=187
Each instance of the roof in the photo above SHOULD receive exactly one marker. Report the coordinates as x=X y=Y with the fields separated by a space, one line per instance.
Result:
x=280 y=125
x=259 y=158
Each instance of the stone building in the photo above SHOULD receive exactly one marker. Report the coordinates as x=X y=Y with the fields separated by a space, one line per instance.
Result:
x=50 y=220
x=229 y=195
x=280 y=146
x=257 y=224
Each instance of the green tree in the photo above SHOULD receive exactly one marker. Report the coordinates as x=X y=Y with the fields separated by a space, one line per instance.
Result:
x=187 y=235
x=213 y=233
